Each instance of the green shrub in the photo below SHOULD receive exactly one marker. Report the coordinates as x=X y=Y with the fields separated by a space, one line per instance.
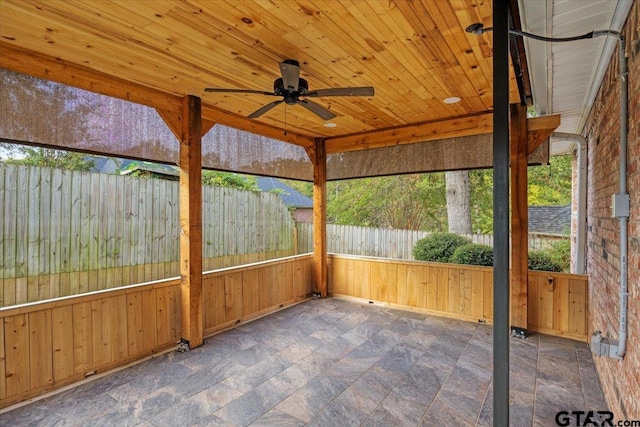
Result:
x=438 y=247
x=560 y=252
x=473 y=254
x=542 y=261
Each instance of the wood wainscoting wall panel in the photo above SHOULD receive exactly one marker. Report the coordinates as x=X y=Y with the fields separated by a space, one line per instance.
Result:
x=47 y=345
x=237 y=294
x=460 y=291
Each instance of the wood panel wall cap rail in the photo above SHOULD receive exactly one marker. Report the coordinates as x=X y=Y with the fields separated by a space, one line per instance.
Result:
x=557 y=274
x=405 y=261
x=450 y=265
x=254 y=265
x=87 y=296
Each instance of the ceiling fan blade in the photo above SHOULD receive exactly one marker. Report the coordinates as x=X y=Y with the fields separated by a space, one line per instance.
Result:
x=290 y=70
x=316 y=109
x=220 y=90
x=342 y=91
x=260 y=111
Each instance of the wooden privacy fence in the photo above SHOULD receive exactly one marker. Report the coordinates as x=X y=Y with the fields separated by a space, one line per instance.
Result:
x=461 y=291
x=47 y=345
x=68 y=232
x=388 y=243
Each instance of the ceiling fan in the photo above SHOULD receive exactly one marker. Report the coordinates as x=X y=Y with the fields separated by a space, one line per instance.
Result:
x=291 y=87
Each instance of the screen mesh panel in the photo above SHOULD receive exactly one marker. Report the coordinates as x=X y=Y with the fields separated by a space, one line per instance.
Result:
x=41 y=112
x=450 y=154
x=470 y=152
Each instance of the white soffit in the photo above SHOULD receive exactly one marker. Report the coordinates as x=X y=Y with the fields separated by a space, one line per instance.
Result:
x=565 y=77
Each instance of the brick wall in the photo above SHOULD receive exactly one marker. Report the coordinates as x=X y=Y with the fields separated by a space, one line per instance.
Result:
x=620 y=379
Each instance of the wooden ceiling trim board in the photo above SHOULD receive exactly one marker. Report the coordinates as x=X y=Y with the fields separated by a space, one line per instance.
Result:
x=461 y=126
x=38 y=65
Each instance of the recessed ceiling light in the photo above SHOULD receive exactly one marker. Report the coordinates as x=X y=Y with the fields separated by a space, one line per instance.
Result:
x=330 y=125
x=452 y=100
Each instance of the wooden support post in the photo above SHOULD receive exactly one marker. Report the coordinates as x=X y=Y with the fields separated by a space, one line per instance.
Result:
x=319 y=158
x=192 y=302
x=519 y=220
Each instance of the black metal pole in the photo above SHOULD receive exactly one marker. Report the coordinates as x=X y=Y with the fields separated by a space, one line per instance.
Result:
x=501 y=213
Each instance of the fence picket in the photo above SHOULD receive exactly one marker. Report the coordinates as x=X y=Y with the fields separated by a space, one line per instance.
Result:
x=65 y=232
x=388 y=243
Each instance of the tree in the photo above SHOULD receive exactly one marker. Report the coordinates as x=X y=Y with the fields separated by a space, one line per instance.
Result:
x=458 y=202
x=229 y=179
x=48 y=157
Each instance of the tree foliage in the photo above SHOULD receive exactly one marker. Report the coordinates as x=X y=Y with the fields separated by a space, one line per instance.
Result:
x=229 y=179
x=48 y=157
x=418 y=201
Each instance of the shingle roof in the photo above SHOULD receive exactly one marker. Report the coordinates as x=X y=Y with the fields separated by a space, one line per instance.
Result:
x=289 y=196
x=550 y=219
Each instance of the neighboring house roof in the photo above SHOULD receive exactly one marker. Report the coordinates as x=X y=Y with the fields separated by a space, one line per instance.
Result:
x=550 y=219
x=289 y=196
x=107 y=164
x=169 y=172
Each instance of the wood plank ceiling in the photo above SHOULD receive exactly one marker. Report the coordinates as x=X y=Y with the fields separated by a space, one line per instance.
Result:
x=414 y=53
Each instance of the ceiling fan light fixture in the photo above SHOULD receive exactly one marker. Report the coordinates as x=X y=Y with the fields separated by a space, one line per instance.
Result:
x=452 y=100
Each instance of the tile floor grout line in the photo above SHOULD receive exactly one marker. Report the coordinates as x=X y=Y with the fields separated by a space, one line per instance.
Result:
x=535 y=384
x=445 y=380
x=395 y=384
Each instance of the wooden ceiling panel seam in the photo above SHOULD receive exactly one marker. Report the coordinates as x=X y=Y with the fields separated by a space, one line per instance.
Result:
x=460 y=41
x=424 y=53
x=380 y=91
x=86 y=51
x=394 y=59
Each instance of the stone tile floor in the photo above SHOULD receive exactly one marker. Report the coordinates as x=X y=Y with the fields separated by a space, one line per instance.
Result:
x=333 y=363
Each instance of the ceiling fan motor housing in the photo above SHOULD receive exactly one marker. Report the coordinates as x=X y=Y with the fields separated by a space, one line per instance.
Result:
x=290 y=97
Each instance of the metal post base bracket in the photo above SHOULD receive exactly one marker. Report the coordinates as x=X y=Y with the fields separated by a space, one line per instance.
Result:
x=521 y=333
x=183 y=346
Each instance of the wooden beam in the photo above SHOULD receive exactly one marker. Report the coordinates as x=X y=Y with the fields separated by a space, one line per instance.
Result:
x=319 y=159
x=519 y=217
x=460 y=126
x=539 y=129
x=49 y=68
x=252 y=126
x=174 y=122
x=192 y=302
